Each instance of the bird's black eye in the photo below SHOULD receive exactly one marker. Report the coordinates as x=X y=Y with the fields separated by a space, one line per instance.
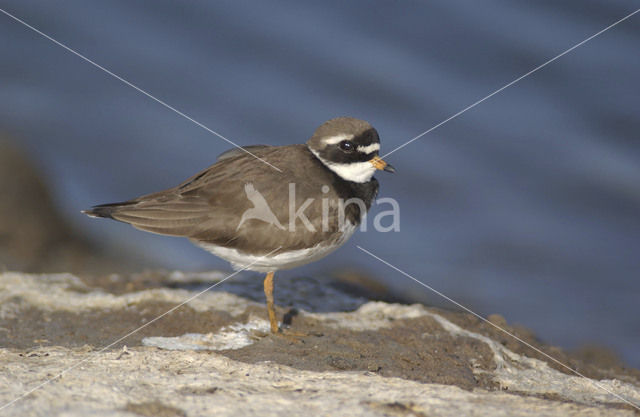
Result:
x=347 y=146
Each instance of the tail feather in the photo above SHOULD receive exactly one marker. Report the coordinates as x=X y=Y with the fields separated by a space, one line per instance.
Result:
x=173 y=219
x=105 y=210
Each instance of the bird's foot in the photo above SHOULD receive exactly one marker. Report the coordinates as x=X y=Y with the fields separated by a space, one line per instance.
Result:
x=295 y=337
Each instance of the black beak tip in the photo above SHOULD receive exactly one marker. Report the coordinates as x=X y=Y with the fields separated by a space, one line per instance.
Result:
x=389 y=168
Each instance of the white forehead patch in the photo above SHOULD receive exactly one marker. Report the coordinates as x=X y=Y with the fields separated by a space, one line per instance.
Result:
x=332 y=140
x=369 y=148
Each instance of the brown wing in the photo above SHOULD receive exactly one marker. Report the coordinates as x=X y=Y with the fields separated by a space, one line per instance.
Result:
x=210 y=205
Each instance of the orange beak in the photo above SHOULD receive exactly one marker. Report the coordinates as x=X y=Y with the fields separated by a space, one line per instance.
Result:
x=380 y=164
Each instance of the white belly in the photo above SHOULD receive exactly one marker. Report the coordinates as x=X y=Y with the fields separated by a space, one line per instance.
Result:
x=283 y=260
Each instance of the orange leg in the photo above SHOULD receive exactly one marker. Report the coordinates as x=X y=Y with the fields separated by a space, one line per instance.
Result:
x=268 y=292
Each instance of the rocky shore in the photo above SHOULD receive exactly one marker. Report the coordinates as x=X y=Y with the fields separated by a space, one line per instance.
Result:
x=72 y=339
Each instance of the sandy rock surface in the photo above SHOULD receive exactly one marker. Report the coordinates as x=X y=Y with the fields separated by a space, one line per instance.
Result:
x=120 y=346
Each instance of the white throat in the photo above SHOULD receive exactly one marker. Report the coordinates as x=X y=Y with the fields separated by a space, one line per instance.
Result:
x=355 y=171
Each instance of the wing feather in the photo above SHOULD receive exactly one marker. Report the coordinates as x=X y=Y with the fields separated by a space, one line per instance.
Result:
x=208 y=206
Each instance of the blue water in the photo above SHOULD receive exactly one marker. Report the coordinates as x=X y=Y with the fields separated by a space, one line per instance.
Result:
x=527 y=205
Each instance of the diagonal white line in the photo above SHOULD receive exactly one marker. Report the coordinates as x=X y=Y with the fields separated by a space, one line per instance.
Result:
x=72 y=367
x=468 y=310
x=510 y=84
x=135 y=87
